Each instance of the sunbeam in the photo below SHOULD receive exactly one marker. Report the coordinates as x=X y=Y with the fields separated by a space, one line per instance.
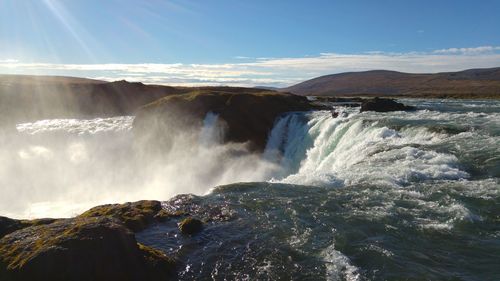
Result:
x=70 y=24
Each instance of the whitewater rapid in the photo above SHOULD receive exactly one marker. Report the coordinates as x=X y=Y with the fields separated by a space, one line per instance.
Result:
x=78 y=126
x=351 y=150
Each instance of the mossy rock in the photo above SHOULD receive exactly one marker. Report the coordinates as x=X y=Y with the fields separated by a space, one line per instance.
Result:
x=190 y=226
x=82 y=248
x=135 y=215
x=157 y=261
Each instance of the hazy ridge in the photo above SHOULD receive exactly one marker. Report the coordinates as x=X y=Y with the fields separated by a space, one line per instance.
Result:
x=472 y=83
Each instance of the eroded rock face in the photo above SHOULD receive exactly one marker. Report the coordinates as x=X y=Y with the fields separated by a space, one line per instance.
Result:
x=384 y=105
x=248 y=117
x=97 y=245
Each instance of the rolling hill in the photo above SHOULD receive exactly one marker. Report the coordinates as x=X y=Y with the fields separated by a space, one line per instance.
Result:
x=473 y=83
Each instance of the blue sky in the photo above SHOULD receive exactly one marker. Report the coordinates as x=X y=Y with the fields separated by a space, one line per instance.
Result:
x=244 y=42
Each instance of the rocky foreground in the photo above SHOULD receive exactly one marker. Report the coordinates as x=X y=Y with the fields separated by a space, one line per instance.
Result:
x=99 y=244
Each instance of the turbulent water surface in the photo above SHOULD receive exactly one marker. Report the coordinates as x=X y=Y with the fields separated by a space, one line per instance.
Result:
x=365 y=196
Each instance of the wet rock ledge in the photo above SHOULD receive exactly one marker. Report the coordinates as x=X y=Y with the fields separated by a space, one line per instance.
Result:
x=99 y=244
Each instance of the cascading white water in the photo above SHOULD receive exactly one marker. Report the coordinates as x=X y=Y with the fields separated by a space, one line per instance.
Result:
x=349 y=150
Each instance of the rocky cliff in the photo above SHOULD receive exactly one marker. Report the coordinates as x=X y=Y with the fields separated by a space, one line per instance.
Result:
x=247 y=116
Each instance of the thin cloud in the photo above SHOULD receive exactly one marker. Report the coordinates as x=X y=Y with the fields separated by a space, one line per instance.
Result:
x=242 y=58
x=277 y=72
x=5 y=61
x=469 y=51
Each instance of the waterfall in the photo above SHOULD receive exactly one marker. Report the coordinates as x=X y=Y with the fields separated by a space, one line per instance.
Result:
x=60 y=167
x=317 y=149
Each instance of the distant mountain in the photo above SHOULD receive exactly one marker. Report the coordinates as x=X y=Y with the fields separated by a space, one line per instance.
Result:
x=467 y=84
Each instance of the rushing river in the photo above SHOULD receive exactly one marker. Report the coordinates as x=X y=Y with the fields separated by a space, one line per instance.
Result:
x=364 y=196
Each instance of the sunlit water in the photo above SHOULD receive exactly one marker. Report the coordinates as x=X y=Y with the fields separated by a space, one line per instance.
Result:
x=385 y=196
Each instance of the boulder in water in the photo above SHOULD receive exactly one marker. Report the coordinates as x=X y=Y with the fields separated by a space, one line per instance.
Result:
x=190 y=226
x=384 y=105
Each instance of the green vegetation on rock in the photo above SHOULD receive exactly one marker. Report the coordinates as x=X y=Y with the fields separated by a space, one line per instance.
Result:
x=135 y=215
x=97 y=245
x=156 y=261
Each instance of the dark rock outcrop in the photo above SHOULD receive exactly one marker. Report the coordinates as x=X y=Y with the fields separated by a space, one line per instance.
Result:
x=8 y=225
x=384 y=105
x=247 y=116
x=96 y=245
x=83 y=248
x=190 y=226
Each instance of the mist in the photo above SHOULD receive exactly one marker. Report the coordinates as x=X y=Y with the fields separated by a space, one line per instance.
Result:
x=61 y=167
